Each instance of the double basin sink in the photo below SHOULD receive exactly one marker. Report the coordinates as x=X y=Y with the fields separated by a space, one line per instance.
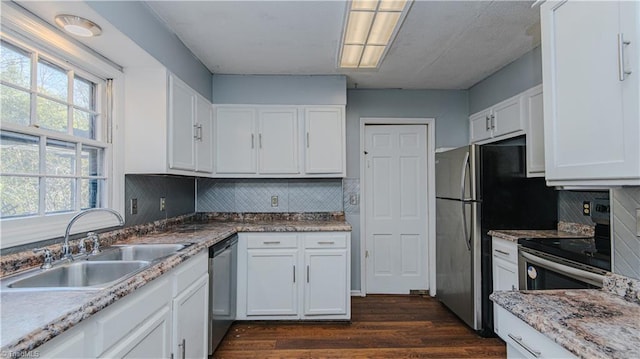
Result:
x=94 y=272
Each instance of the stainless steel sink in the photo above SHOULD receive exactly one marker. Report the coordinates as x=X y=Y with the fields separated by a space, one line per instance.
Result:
x=137 y=252
x=84 y=275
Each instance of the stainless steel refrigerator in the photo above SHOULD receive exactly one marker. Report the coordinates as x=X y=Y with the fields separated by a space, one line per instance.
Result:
x=480 y=188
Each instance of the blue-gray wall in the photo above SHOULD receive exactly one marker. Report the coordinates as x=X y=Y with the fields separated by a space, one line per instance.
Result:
x=522 y=74
x=279 y=89
x=138 y=22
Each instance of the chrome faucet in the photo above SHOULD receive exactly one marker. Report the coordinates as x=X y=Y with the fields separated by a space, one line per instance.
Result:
x=66 y=249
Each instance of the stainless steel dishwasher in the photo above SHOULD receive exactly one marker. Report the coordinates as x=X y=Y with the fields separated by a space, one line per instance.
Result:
x=223 y=258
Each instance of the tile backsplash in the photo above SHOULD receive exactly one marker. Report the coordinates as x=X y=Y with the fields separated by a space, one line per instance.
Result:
x=179 y=194
x=255 y=195
x=626 y=243
x=570 y=205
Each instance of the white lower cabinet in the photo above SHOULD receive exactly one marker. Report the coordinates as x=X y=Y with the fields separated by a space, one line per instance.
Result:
x=285 y=276
x=148 y=323
x=523 y=341
x=504 y=268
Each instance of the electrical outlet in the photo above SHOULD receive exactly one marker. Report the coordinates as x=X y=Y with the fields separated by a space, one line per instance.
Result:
x=353 y=199
x=133 y=208
x=274 y=201
x=163 y=204
x=586 y=208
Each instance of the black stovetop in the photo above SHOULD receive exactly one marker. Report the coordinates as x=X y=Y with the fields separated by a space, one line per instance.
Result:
x=595 y=251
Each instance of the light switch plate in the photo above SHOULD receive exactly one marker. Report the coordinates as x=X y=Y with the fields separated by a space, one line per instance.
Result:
x=274 y=201
x=134 y=206
x=163 y=204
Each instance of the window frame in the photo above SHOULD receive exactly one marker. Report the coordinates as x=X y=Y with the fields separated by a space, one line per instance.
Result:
x=22 y=30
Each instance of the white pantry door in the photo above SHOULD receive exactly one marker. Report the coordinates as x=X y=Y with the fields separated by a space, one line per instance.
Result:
x=396 y=208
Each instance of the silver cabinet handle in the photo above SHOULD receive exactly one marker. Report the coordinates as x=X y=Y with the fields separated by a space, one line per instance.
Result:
x=621 y=44
x=487 y=123
x=271 y=242
x=502 y=252
x=518 y=340
x=252 y=141
x=195 y=131
x=200 y=132
x=260 y=140
x=184 y=348
x=307 y=273
x=493 y=122
x=307 y=139
x=294 y=274
x=326 y=242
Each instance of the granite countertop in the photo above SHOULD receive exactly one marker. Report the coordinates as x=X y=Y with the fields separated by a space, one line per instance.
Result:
x=24 y=328
x=589 y=323
x=515 y=234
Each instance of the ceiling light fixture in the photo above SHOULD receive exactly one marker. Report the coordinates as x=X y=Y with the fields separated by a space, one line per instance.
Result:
x=78 y=26
x=371 y=26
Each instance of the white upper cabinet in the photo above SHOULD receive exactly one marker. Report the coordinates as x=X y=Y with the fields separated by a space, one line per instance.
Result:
x=590 y=53
x=278 y=141
x=168 y=125
x=535 y=131
x=270 y=141
x=325 y=140
x=503 y=118
x=235 y=140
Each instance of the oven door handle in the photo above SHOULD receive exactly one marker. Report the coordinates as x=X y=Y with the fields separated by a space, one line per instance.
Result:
x=579 y=274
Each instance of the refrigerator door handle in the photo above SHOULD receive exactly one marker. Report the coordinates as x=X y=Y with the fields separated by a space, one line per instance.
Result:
x=466 y=166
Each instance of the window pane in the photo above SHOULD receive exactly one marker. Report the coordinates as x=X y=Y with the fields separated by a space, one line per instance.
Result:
x=83 y=93
x=15 y=65
x=15 y=105
x=52 y=115
x=90 y=190
x=84 y=124
x=19 y=153
x=60 y=194
x=91 y=161
x=61 y=158
x=52 y=80
x=18 y=196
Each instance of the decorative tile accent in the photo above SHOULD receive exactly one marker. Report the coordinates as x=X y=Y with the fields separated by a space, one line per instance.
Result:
x=570 y=206
x=351 y=188
x=319 y=195
x=254 y=195
x=179 y=193
x=626 y=244
x=216 y=195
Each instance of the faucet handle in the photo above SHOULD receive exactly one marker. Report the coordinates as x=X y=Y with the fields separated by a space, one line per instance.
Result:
x=96 y=242
x=82 y=246
x=48 y=257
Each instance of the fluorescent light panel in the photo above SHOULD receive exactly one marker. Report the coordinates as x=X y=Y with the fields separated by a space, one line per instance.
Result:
x=370 y=26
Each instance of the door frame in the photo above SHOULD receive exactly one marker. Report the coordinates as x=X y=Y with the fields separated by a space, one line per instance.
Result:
x=431 y=195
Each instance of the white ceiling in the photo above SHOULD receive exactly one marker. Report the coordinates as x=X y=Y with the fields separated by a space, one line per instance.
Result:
x=441 y=45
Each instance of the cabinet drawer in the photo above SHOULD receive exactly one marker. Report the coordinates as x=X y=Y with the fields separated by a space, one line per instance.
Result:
x=505 y=249
x=525 y=339
x=334 y=240
x=272 y=241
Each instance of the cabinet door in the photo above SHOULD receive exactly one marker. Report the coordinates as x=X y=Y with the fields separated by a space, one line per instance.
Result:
x=278 y=141
x=535 y=132
x=480 y=126
x=151 y=340
x=70 y=344
x=272 y=282
x=325 y=141
x=235 y=144
x=204 y=135
x=181 y=126
x=507 y=117
x=191 y=321
x=325 y=288
x=505 y=275
x=590 y=105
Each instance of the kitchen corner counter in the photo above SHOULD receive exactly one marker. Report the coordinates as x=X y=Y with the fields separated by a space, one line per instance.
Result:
x=24 y=329
x=516 y=234
x=589 y=323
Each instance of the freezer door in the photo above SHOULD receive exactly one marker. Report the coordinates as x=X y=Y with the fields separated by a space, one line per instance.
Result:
x=455 y=173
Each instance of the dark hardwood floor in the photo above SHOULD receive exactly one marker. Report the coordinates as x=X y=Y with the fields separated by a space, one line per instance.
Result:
x=382 y=326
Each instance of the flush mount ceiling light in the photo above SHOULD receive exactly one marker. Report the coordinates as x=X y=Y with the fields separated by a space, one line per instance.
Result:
x=78 y=26
x=370 y=28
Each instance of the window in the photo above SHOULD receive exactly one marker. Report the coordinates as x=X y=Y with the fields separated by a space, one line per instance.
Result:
x=52 y=154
